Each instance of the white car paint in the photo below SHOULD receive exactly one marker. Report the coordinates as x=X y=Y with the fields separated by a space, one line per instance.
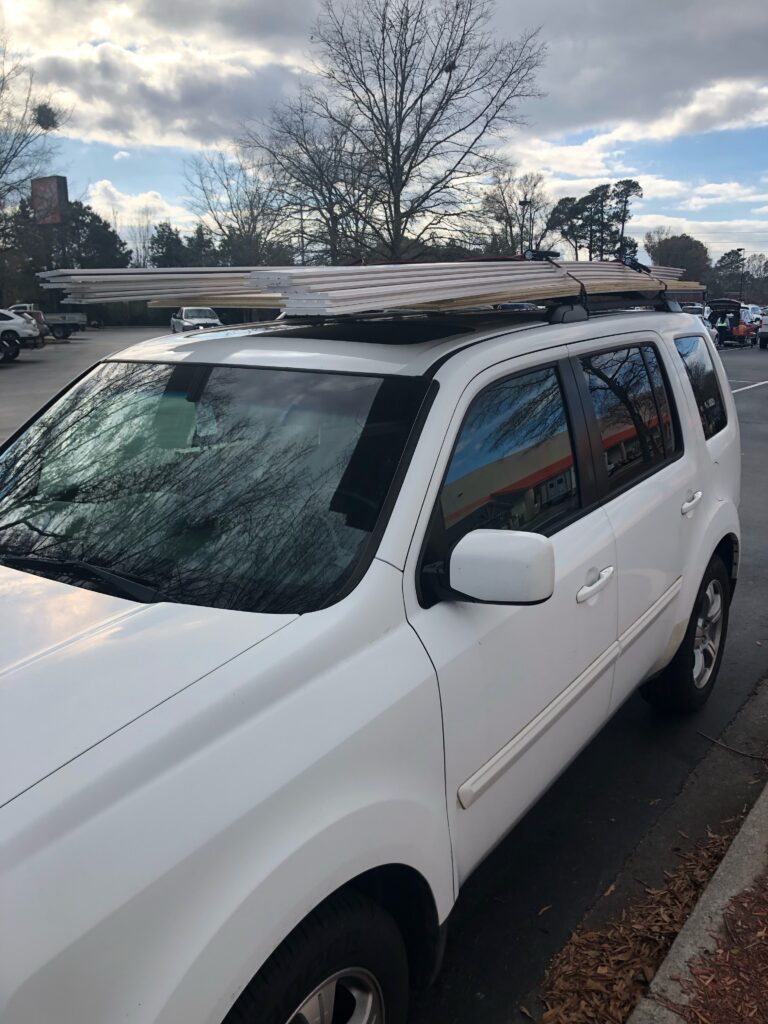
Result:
x=183 y=785
x=21 y=326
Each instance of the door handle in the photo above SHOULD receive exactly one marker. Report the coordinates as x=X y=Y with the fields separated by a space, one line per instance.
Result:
x=594 y=588
x=691 y=503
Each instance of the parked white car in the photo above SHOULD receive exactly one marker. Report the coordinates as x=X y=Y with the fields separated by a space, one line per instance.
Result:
x=294 y=628
x=193 y=318
x=16 y=329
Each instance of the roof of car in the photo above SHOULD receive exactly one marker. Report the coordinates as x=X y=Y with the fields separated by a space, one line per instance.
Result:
x=384 y=345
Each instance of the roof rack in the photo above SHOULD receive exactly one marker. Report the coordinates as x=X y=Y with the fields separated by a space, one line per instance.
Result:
x=354 y=290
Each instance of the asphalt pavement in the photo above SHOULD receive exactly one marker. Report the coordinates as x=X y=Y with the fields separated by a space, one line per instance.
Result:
x=38 y=374
x=619 y=808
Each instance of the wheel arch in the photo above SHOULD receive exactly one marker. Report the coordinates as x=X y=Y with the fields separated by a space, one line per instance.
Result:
x=406 y=895
x=729 y=550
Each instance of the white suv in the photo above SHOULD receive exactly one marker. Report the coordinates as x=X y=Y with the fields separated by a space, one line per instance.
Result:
x=16 y=329
x=298 y=621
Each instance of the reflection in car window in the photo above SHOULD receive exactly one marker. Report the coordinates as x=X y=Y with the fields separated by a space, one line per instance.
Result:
x=513 y=465
x=626 y=412
x=663 y=400
x=246 y=488
x=706 y=389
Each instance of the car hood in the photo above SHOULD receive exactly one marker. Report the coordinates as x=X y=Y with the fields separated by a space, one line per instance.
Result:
x=76 y=666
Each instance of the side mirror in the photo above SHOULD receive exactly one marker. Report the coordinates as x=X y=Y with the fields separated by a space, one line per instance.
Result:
x=503 y=567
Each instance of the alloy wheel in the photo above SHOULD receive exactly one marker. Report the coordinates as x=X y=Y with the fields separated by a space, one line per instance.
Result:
x=348 y=997
x=709 y=631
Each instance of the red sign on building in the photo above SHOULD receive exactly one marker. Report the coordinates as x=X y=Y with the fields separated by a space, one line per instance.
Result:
x=49 y=199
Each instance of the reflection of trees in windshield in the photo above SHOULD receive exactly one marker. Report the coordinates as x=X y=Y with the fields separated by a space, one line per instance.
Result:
x=241 y=488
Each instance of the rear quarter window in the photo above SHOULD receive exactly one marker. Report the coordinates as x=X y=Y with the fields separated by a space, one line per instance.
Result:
x=704 y=383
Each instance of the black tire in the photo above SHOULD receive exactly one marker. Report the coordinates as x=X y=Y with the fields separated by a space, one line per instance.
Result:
x=676 y=689
x=9 y=346
x=348 y=931
x=58 y=332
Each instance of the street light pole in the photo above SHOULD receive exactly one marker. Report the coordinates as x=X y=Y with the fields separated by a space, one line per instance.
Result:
x=741 y=281
x=525 y=204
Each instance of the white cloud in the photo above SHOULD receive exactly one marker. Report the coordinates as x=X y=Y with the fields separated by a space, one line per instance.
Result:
x=717 y=235
x=720 y=106
x=724 y=104
x=715 y=193
x=121 y=154
x=162 y=95
x=126 y=208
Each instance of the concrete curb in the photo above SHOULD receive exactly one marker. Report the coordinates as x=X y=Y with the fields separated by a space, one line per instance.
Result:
x=745 y=860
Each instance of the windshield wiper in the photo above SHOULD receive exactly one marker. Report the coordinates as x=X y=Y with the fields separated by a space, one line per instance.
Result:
x=124 y=586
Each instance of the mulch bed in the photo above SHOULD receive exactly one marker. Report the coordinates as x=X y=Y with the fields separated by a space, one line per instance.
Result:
x=730 y=983
x=599 y=976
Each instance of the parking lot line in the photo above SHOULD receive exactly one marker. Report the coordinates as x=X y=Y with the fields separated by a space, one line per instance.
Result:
x=759 y=384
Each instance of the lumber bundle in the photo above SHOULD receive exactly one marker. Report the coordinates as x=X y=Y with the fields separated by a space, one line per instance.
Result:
x=340 y=291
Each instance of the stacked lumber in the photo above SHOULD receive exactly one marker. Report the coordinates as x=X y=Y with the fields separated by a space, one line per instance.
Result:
x=342 y=291
x=171 y=286
x=334 y=291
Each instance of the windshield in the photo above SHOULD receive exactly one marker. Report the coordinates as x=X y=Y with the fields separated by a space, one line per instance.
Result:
x=231 y=487
x=199 y=314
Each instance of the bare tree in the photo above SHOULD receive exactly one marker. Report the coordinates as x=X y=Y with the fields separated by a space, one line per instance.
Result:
x=420 y=86
x=27 y=122
x=328 y=180
x=243 y=203
x=518 y=209
x=139 y=235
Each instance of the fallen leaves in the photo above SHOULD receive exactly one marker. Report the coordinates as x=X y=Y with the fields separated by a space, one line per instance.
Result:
x=731 y=983
x=598 y=976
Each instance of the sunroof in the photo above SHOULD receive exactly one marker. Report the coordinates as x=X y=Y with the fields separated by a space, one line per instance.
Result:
x=380 y=332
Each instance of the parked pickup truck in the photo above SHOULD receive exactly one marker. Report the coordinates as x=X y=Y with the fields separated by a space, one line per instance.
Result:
x=61 y=325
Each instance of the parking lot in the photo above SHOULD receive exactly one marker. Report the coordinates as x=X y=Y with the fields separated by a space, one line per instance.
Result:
x=615 y=818
x=39 y=373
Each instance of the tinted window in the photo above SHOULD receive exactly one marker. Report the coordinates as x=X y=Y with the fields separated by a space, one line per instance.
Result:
x=513 y=465
x=245 y=488
x=663 y=399
x=703 y=378
x=627 y=415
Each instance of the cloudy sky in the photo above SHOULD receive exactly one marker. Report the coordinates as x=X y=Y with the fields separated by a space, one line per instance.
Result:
x=672 y=92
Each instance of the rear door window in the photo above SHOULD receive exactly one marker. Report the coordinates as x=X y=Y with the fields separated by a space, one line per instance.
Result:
x=706 y=387
x=635 y=434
